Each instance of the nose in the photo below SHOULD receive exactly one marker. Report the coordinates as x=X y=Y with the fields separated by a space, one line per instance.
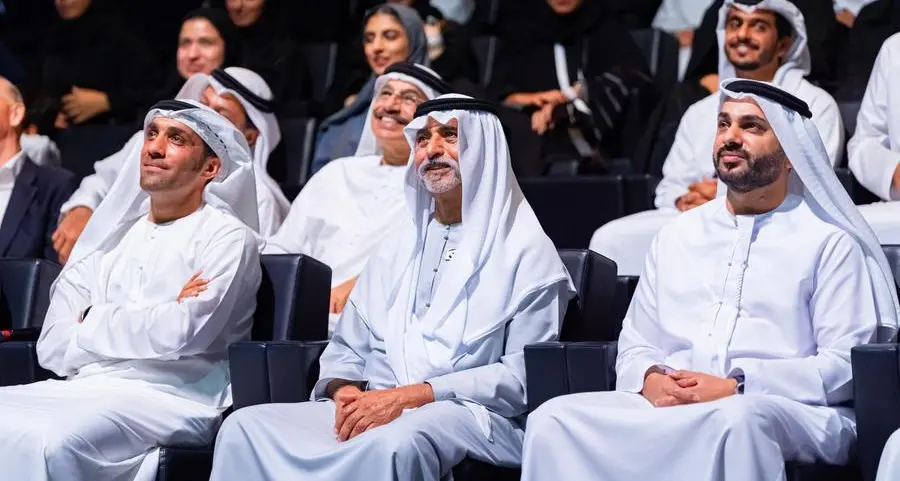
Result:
x=193 y=51
x=744 y=31
x=378 y=44
x=155 y=147
x=435 y=147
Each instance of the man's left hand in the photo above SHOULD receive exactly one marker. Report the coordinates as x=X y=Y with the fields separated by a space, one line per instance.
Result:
x=82 y=105
x=376 y=408
x=846 y=17
x=697 y=387
x=340 y=295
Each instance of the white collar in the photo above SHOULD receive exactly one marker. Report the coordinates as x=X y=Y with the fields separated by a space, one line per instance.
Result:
x=11 y=169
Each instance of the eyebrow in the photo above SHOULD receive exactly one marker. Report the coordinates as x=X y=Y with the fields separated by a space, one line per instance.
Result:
x=423 y=131
x=172 y=130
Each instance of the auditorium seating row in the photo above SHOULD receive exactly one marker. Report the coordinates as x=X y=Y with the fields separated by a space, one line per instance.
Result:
x=280 y=363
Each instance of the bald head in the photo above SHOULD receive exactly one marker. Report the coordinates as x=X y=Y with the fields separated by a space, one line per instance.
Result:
x=12 y=109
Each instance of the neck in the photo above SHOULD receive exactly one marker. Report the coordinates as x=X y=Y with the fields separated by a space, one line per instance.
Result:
x=448 y=207
x=9 y=147
x=766 y=73
x=164 y=210
x=390 y=157
x=757 y=201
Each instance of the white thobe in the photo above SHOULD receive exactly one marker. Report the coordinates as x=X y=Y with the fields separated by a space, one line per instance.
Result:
x=626 y=240
x=874 y=150
x=94 y=187
x=476 y=413
x=780 y=297
x=142 y=369
x=853 y=6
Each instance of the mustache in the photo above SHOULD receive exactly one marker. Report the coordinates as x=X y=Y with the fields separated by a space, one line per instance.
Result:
x=443 y=161
x=745 y=41
x=381 y=113
x=730 y=150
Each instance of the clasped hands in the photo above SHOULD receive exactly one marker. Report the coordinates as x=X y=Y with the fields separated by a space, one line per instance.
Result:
x=357 y=411
x=685 y=387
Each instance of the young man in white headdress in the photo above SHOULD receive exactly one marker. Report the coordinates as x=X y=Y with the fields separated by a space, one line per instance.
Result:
x=162 y=280
x=874 y=150
x=426 y=365
x=761 y=40
x=241 y=96
x=735 y=352
x=350 y=205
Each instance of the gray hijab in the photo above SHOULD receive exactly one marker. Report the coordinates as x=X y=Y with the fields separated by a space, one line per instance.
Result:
x=418 y=53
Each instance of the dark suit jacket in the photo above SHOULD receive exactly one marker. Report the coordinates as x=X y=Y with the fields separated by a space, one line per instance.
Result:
x=33 y=211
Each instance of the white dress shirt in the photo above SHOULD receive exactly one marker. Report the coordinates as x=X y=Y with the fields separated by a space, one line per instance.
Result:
x=8 y=173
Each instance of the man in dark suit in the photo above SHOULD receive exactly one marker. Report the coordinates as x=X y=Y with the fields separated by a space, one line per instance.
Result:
x=30 y=195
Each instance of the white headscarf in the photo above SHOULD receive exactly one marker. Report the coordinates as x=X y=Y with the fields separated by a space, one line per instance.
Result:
x=233 y=190
x=504 y=256
x=368 y=145
x=796 y=64
x=677 y=15
x=265 y=122
x=813 y=177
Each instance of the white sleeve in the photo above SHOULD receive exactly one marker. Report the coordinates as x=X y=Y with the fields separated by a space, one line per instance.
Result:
x=94 y=187
x=827 y=117
x=639 y=339
x=292 y=237
x=71 y=297
x=842 y=309
x=171 y=330
x=500 y=386
x=679 y=170
x=870 y=157
x=345 y=356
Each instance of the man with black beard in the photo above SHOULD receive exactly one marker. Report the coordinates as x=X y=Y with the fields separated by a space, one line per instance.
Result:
x=734 y=356
x=765 y=41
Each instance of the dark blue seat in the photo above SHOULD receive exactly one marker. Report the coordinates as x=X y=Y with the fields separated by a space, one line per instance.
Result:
x=82 y=145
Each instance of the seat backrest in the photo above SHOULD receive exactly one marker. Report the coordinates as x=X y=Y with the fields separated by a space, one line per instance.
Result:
x=486 y=51
x=849 y=111
x=25 y=291
x=298 y=136
x=321 y=59
x=571 y=209
x=893 y=255
x=588 y=317
x=82 y=145
x=293 y=298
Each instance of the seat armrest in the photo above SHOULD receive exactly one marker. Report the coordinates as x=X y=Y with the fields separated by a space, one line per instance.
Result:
x=273 y=371
x=558 y=368
x=19 y=364
x=876 y=385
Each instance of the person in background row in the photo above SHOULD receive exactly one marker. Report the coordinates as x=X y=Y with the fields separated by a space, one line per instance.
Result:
x=872 y=26
x=765 y=41
x=349 y=206
x=734 y=356
x=450 y=52
x=145 y=360
x=458 y=11
x=236 y=93
x=30 y=194
x=630 y=14
x=40 y=114
x=426 y=365
x=207 y=41
x=392 y=33
x=680 y=18
x=874 y=150
x=98 y=70
x=846 y=10
x=267 y=50
x=558 y=68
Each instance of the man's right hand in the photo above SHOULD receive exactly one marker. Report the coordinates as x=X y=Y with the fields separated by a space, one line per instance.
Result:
x=195 y=285
x=68 y=231
x=655 y=386
x=710 y=82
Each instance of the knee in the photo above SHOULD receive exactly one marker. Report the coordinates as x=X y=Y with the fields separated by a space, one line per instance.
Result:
x=548 y=416
x=233 y=427
x=741 y=413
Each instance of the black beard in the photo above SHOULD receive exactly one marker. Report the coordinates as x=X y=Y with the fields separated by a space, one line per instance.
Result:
x=761 y=171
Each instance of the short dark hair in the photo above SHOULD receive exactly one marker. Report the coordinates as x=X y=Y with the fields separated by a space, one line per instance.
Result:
x=783 y=26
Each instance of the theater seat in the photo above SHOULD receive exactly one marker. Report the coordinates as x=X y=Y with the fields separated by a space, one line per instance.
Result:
x=321 y=60
x=298 y=136
x=571 y=209
x=876 y=386
x=285 y=372
x=849 y=111
x=82 y=145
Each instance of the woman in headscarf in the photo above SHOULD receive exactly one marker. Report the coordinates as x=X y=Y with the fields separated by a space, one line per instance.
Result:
x=207 y=41
x=267 y=50
x=94 y=66
x=573 y=72
x=392 y=33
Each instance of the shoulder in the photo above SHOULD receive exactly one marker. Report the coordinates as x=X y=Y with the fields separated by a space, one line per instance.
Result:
x=702 y=107
x=52 y=175
x=691 y=221
x=819 y=100
x=223 y=228
x=892 y=44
